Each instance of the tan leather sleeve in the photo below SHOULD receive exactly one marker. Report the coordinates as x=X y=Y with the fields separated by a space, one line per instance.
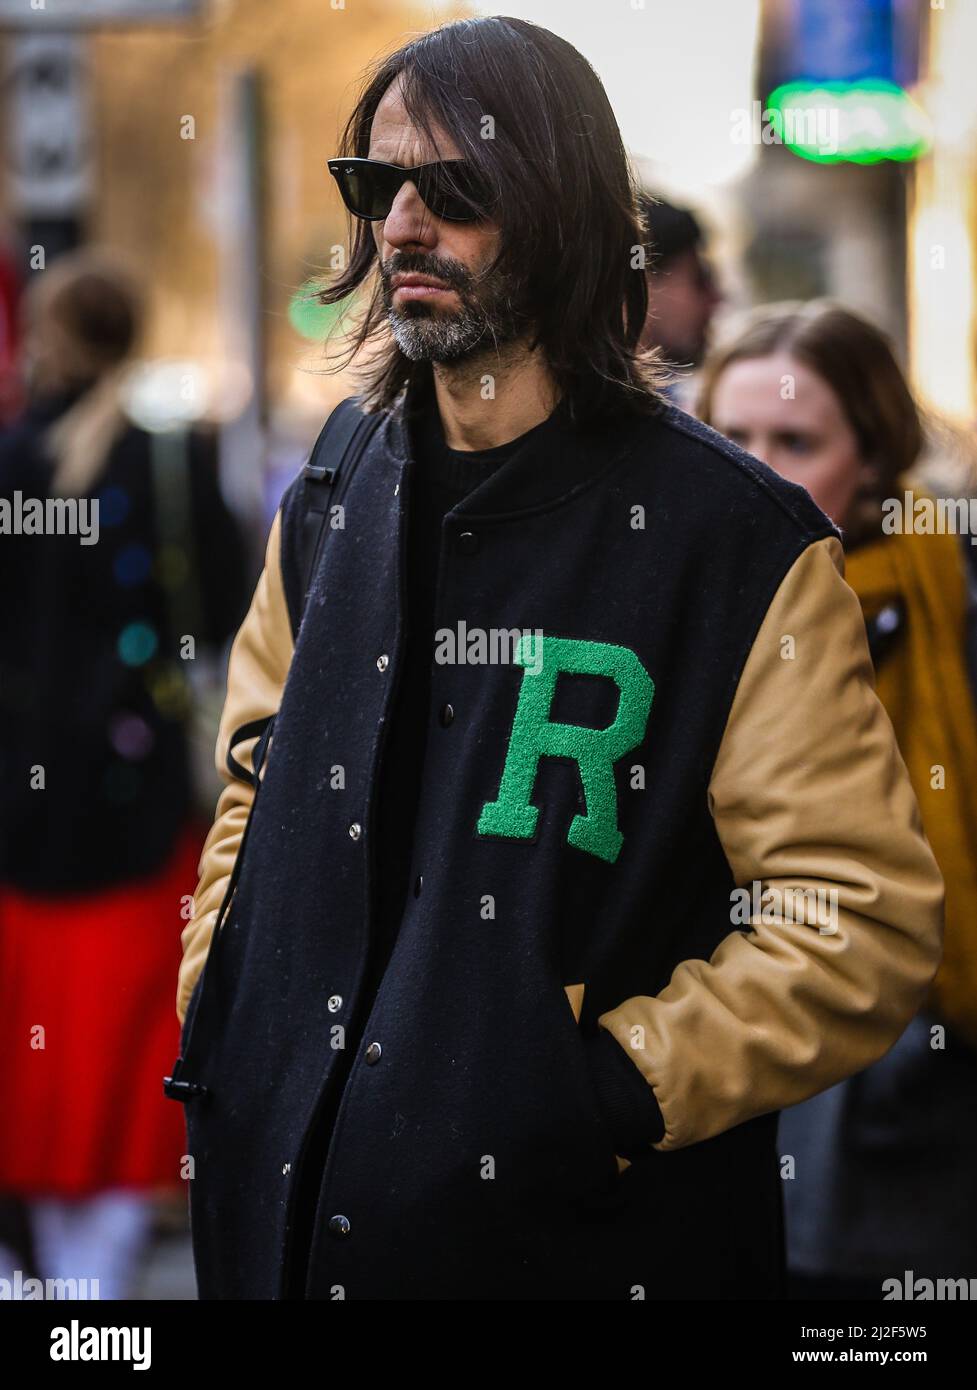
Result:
x=258 y=664
x=809 y=791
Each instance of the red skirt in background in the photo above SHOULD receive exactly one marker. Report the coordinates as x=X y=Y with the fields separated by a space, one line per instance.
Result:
x=98 y=972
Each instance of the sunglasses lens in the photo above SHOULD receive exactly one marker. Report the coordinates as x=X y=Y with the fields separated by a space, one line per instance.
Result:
x=368 y=191
x=453 y=190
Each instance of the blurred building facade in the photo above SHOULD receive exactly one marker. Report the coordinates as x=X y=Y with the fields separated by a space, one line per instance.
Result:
x=196 y=141
x=196 y=145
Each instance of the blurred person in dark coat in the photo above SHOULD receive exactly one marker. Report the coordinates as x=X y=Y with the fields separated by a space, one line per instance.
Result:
x=886 y=1161
x=98 y=839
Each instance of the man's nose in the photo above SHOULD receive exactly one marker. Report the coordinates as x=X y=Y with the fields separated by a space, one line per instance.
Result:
x=410 y=220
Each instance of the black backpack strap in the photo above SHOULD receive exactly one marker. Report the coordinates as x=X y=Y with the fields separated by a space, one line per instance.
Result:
x=341 y=444
x=256 y=727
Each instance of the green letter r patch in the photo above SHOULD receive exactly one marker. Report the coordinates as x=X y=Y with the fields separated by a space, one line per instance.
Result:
x=595 y=751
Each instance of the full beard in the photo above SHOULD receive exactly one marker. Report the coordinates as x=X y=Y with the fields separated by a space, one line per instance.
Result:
x=488 y=320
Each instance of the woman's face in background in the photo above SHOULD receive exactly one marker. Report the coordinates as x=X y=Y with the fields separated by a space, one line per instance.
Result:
x=787 y=415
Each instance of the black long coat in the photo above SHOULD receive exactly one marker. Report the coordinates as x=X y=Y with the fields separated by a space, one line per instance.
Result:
x=90 y=664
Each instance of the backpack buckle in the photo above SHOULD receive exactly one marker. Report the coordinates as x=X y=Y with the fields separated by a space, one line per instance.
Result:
x=176 y=1089
x=319 y=472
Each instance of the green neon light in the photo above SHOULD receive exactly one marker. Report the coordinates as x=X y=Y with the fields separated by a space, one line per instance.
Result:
x=845 y=122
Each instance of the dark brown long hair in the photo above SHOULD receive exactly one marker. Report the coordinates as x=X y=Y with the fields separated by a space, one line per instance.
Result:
x=563 y=196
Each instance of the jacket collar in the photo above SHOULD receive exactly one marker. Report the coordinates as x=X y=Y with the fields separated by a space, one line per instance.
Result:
x=551 y=467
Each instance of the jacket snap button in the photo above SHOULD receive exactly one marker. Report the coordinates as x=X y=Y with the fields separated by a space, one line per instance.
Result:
x=468 y=542
x=334 y=1003
x=338 y=1226
x=418 y=885
x=383 y=661
x=286 y=1169
x=355 y=830
x=373 y=1053
x=447 y=715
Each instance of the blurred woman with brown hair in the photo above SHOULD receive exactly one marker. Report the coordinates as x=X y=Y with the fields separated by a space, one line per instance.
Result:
x=886 y=1162
x=98 y=843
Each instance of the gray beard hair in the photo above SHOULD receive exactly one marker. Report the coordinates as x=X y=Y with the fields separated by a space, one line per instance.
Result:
x=437 y=337
x=476 y=330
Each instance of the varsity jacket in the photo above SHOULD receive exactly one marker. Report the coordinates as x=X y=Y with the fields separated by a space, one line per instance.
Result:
x=566 y=1082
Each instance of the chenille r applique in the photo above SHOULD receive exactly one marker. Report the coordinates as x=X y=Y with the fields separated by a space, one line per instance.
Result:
x=595 y=751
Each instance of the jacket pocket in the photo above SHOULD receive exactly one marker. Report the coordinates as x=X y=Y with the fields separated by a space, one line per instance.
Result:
x=574 y=997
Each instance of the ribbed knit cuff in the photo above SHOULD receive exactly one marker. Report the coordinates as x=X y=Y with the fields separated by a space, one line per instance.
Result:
x=626 y=1099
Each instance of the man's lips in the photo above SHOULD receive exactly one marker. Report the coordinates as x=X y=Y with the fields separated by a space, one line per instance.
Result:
x=419 y=287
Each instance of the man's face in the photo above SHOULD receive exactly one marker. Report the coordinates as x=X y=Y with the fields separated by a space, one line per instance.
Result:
x=473 y=313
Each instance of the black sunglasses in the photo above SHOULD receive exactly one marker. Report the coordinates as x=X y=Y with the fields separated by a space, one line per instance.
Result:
x=450 y=188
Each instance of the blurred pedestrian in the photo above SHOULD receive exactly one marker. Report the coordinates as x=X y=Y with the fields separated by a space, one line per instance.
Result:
x=98 y=843
x=682 y=291
x=11 y=385
x=886 y=1161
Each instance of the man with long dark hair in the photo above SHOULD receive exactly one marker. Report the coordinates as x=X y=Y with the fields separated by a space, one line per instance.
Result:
x=582 y=844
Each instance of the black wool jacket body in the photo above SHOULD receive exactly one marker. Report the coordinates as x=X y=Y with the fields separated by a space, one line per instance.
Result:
x=668 y=877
